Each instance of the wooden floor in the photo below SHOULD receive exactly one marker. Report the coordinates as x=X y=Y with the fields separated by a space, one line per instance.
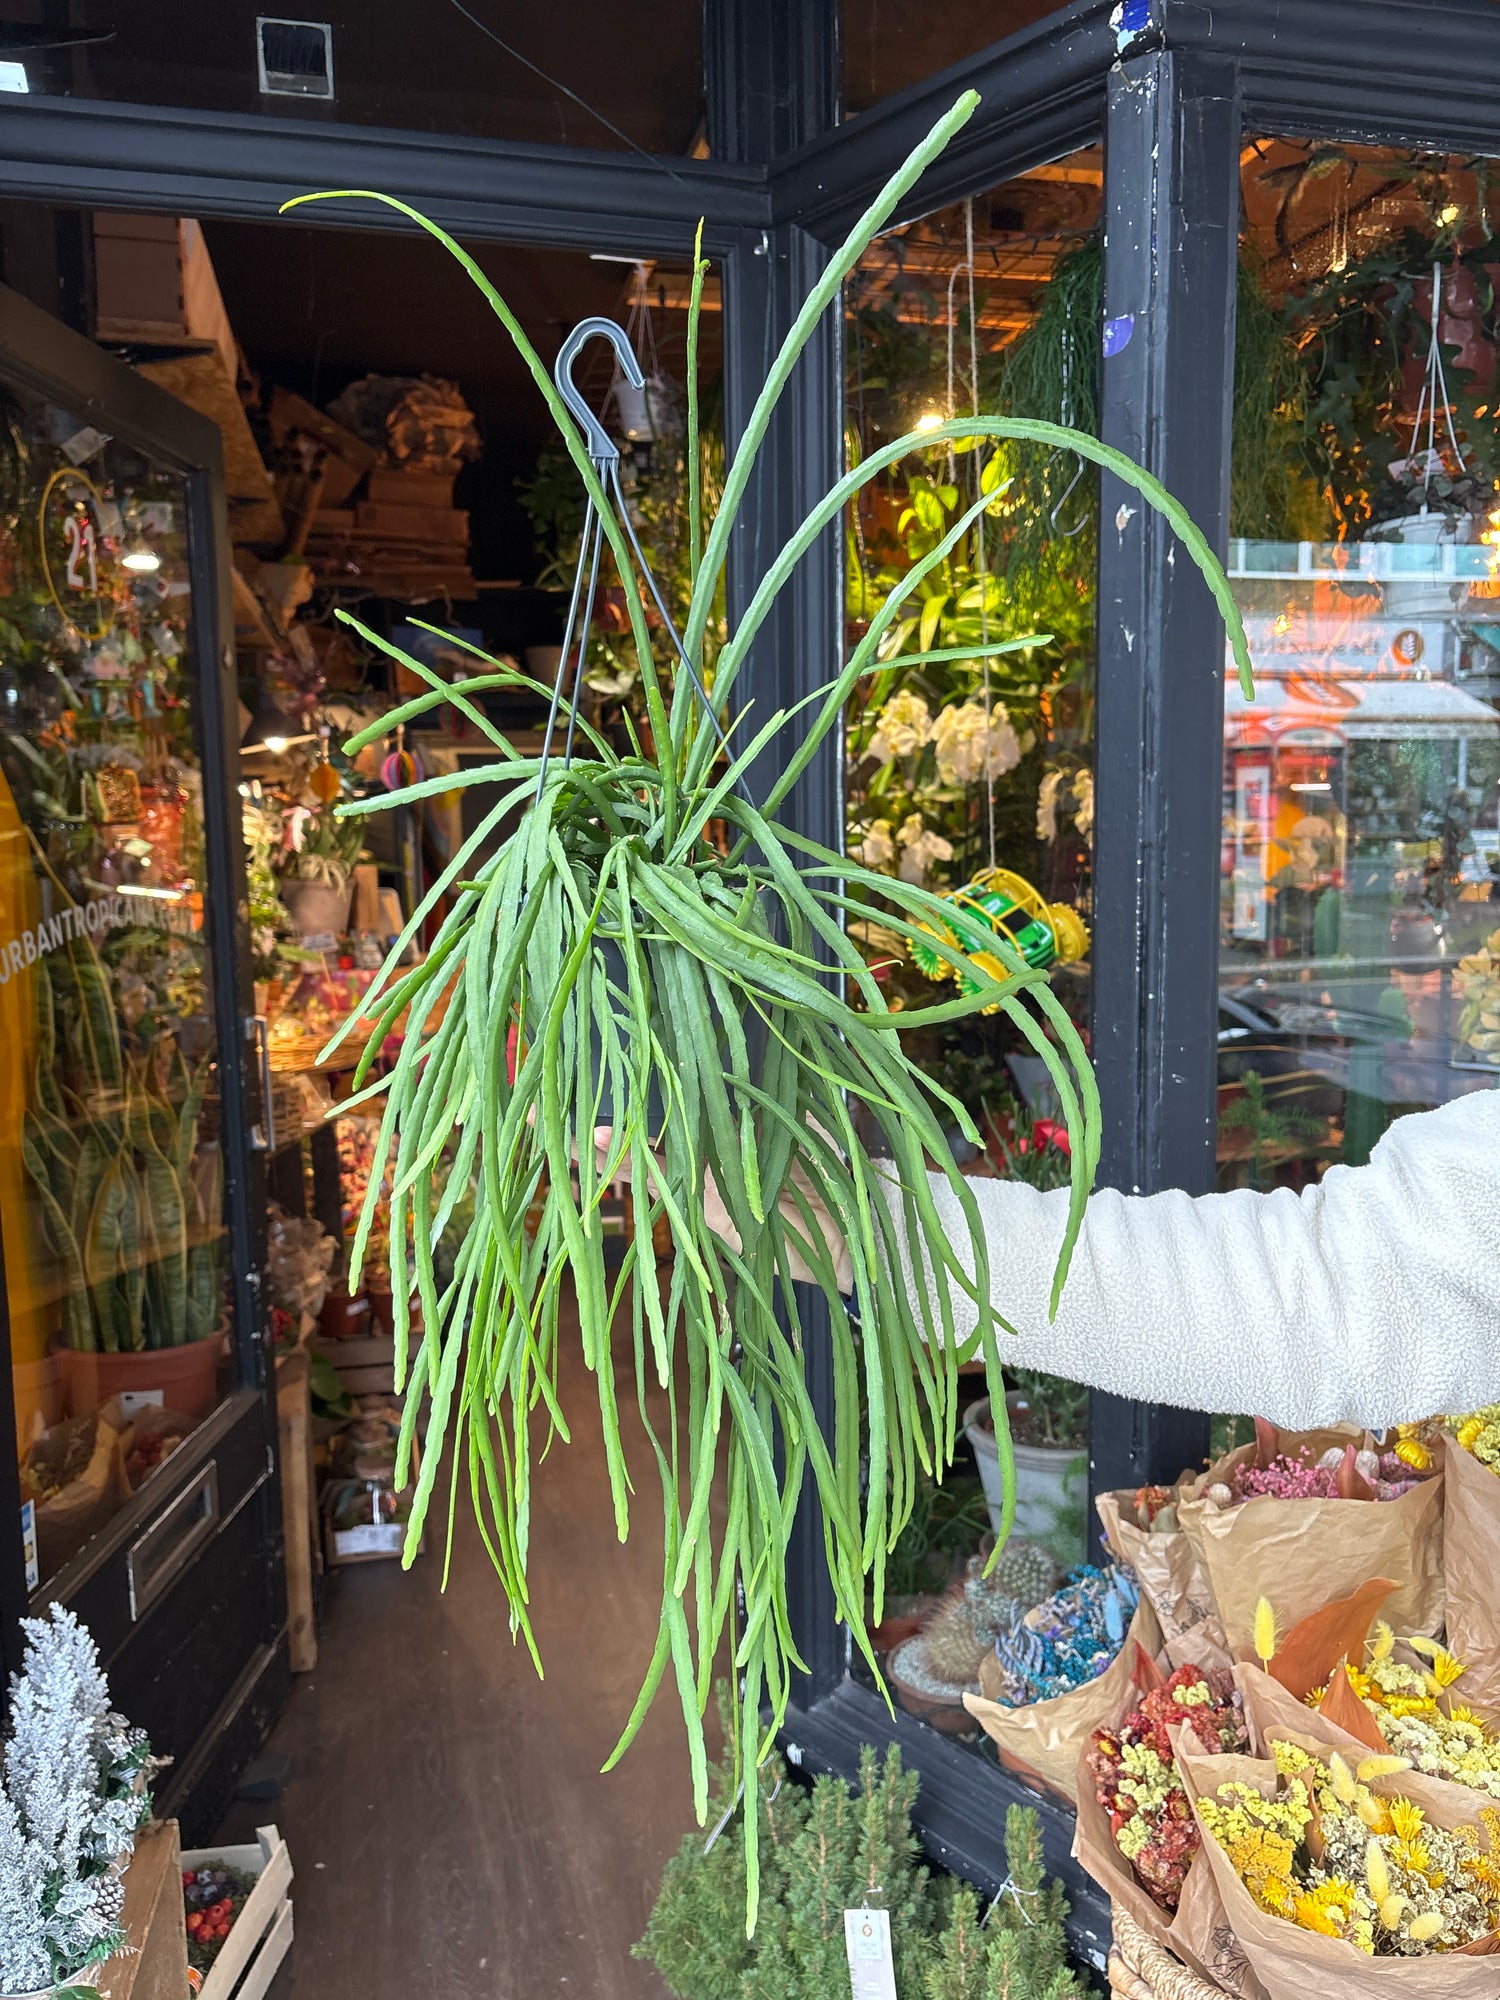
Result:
x=446 y=1818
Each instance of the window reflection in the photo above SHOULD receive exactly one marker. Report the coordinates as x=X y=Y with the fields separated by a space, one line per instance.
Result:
x=1361 y=859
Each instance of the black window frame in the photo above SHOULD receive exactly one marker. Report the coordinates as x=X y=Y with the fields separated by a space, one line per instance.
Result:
x=1170 y=85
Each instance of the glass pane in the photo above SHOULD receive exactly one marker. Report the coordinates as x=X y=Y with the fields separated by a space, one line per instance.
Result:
x=894 y=44
x=1361 y=858
x=111 y=1182
x=974 y=775
x=440 y=71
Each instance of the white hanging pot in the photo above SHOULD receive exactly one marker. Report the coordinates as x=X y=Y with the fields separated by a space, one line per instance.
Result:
x=1422 y=590
x=633 y=411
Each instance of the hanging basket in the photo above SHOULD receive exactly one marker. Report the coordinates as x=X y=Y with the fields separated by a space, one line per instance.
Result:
x=1142 y=1969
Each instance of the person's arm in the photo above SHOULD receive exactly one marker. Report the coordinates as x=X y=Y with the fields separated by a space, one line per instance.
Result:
x=1372 y=1297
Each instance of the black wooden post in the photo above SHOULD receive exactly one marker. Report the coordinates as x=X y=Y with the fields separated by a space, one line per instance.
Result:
x=1172 y=207
x=772 y=82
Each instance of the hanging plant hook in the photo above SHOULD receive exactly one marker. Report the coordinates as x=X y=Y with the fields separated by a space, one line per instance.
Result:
x=1077 y=526
x=602 y=448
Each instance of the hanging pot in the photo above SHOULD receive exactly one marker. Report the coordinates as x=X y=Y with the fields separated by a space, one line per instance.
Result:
x=1416 y=587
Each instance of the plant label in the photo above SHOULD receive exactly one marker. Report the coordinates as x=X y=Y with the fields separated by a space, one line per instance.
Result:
x=867 y=1942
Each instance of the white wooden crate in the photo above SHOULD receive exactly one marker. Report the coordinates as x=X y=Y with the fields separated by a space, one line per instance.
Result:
x=262 y=1932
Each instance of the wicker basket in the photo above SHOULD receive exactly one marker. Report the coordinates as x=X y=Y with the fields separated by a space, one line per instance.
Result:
x=1141 y=1969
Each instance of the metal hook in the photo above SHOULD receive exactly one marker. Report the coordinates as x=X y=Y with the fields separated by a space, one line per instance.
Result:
x=602 y=447
x=1063 y=498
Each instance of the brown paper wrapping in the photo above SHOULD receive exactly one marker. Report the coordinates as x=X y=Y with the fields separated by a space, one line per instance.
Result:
x=1293 y=1964
x=1169 y=1572
x=1203 y=1937
x=1471 y=1563
x=1047 y=1738
x=1300 y=1554
x=1272 y=1712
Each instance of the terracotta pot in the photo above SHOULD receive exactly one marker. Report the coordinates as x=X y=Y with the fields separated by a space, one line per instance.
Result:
x=343 y=1318
x=890 y=1632
x=39 y=1396
x=187 y=1376
x=939 y=1711
x=318 y=909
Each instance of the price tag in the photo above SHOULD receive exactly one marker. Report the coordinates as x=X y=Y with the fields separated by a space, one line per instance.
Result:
x=133 y=1401
x=867 y=1944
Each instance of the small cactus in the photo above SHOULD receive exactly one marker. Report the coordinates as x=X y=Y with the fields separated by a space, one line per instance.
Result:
x=950 y=1645
x=1025 y=1571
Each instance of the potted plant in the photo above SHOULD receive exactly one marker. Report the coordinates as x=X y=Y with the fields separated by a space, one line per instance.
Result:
x=828 y=1853
x=72 y=1798
x=654 y=940
x=1048 y=1421
x=110 y=1143
x=317 y=882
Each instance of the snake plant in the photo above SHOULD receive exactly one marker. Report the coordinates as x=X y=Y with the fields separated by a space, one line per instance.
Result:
x=109 y=1142
x=629 y=941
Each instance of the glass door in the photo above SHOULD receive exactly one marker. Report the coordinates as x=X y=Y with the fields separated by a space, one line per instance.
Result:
x=141 y=1426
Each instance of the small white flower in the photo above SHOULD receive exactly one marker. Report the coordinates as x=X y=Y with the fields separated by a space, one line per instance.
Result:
x=873 y=846
x=1046 y=806
x=1083 y=793
x=971 y=746
x=920 y=847
x=904 y=728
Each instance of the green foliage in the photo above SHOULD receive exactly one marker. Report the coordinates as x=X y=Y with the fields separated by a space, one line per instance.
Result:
x=109 y=1137
x=833 y=1850
x=1353 y=329
x=945 y=1522
x=1267 y=1124
x=653 y=983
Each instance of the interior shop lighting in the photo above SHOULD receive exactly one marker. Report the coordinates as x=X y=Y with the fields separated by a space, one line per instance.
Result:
x=1311 y=785
x=140 y=558
x=929 y=420
x=156 y=895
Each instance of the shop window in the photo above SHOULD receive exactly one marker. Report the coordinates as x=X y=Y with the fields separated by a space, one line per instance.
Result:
x=1361 y=857
x=111 y=1180
x=973 y=774
x=890 y=45
x=486 y=71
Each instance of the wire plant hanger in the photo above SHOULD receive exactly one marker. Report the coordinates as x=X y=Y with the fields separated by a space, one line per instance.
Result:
x=604 y=456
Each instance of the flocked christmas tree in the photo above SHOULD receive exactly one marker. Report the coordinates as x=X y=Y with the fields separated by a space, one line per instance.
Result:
x=832 y=1850
x=72 y=1798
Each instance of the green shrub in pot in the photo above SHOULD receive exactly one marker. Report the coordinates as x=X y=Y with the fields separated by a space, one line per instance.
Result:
x=768 y=1072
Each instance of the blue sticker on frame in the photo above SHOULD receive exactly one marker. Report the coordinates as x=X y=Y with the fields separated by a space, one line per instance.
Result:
x=1129 y=19
x=1117 y=332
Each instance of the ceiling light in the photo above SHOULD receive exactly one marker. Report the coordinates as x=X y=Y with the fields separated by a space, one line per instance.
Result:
x=141 y=559
x=930 y=420
x=1309 y=785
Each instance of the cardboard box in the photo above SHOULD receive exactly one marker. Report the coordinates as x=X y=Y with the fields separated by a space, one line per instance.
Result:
x=262 y=1932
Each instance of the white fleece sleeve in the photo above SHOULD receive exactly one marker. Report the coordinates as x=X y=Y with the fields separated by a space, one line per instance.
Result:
x=1372 y=1297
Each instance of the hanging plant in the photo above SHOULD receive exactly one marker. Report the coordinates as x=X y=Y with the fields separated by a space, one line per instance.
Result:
x=606 y=963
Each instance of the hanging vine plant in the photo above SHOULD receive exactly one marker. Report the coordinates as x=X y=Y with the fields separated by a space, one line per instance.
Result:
x=650 y=983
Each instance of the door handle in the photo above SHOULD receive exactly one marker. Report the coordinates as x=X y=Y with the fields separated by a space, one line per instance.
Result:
x=160 y=1554
x=263 y=1132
